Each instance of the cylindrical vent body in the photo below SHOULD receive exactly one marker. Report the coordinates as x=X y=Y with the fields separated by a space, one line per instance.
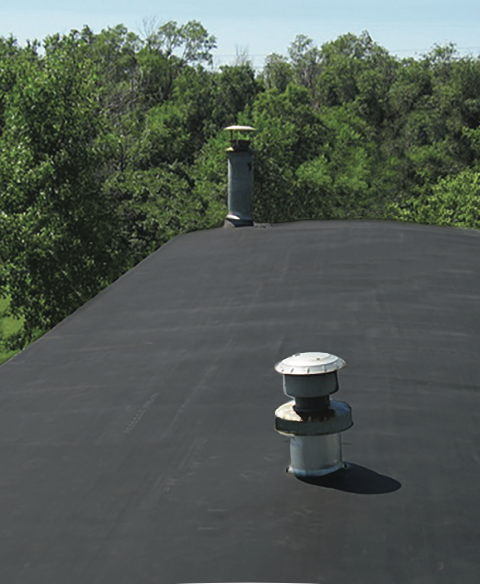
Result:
x=309 y=386
x=313 y=456
x=240 y=186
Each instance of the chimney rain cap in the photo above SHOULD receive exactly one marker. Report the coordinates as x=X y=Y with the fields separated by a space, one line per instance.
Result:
x=313 y=363
x=240 y=129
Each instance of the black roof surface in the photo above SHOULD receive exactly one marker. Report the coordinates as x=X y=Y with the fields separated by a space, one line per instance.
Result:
x=137 y=441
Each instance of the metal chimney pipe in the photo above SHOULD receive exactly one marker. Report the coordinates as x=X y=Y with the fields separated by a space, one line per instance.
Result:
x=240 y=177
x=312 y=421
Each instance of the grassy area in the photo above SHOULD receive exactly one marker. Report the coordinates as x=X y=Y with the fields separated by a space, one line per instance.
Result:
x=8 y=326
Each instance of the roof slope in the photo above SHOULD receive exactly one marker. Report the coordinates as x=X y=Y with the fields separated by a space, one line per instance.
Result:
x=137 y=441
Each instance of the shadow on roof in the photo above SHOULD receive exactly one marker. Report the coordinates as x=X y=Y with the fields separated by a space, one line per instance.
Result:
x=356 y=479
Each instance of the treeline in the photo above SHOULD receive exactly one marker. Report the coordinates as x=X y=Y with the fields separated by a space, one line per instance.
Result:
x=111 y=144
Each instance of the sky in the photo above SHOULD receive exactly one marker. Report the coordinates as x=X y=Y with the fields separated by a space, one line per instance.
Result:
x=404 y=27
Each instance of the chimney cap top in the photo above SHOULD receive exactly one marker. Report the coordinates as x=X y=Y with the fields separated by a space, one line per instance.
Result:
x=240 y=129
x=312 y=363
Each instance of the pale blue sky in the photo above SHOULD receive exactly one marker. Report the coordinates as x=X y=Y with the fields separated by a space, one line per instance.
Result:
x=404 y=27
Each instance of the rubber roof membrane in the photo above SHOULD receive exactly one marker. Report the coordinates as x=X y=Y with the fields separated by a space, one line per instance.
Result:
x=137 y=441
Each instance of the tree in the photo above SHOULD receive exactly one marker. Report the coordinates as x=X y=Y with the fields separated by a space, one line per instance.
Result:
x=455 y=201
x=277 y=72
x=236 y=90
x=337 y=183
x=289 y=132
x=356 y=70
x=167 y=50
x=59 y=231
x=306 y=62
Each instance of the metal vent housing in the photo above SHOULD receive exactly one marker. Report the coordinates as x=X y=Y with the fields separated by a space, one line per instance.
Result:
x=312 y=421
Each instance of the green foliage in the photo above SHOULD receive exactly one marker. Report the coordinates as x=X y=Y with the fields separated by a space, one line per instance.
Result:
x=236 y=92
x=306 y=62
x=9 y=327
x=277 y=72
x=455 y=201
x=289 y=132
x=58 y=231
x=191 y=41
x=167 y=50
x=210 y=180
x=348 y=150
x=163 y=139
x=356 y=70
x=153 y=206
x=310 y=164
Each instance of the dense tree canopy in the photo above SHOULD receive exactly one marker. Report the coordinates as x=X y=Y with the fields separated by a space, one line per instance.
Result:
x=111 y=143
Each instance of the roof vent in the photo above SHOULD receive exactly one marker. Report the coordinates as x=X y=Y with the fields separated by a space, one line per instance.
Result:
x=240 y=177
x=312 y=421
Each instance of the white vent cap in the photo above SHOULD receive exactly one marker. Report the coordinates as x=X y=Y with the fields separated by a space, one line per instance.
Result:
x=313 y=363
x=240 y=129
